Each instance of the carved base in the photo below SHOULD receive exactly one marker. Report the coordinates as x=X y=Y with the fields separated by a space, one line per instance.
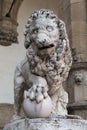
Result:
x=8 y=32
x=47 y=124
x=7 y=38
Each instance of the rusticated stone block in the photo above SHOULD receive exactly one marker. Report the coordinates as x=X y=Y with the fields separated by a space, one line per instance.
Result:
x=75 y=1
x=47 y=124
x=78 y=11
x=81 y=41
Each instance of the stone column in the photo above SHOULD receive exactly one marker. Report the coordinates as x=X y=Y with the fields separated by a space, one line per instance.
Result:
x=79 y=28
x=64 y=12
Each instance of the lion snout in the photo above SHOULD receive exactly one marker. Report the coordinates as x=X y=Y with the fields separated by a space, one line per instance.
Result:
x=42 y=40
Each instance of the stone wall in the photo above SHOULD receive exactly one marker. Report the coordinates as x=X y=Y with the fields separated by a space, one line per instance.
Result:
x=79 y=69
x=79 y=28
x=64 y=12
x=74 y=13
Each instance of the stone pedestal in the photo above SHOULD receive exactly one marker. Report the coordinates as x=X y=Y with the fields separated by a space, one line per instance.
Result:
x=77 y=89
x=8 y=21
x=47 y=124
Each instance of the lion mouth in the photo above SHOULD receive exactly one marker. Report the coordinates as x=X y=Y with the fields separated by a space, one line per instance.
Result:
x=46 y=47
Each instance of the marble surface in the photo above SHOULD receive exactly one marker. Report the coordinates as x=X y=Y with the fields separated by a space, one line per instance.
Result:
x=47 y=124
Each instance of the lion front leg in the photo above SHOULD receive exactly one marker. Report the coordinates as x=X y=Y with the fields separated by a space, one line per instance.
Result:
x=17 y=103
x=19 y=87
x=18 y=99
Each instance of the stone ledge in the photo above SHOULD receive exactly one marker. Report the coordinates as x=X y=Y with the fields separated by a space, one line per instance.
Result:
x=78 y=105
x=47 y=124
x=79 y=65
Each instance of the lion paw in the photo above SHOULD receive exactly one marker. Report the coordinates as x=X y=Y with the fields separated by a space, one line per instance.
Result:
x=37 y=93
x=15 y=117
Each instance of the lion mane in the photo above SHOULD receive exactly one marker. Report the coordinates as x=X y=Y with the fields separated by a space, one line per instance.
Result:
x=54 y=69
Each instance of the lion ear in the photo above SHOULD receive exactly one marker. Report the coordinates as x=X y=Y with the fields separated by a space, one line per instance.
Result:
x=27 y=41
x=26 y=44
x=60 y=23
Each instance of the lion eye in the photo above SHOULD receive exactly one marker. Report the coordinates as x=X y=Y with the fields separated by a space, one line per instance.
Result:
x=35 y=30
x=49 y=28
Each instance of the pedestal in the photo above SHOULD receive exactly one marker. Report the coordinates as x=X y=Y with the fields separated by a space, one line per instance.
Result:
x=47 y=124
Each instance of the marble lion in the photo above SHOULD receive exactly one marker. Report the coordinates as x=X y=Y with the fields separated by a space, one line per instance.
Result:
x=47 y=62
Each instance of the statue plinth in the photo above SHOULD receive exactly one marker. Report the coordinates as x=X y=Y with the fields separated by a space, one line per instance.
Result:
x=47 y=124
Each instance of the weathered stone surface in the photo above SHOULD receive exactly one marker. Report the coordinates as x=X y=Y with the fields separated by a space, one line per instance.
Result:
x=47 y=124
x=78 y=8
x=64 y=12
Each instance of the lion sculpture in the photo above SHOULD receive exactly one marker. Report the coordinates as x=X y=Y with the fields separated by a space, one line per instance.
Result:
x=47 y=62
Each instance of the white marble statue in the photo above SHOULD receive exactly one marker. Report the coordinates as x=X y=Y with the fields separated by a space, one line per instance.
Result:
x=47 y=62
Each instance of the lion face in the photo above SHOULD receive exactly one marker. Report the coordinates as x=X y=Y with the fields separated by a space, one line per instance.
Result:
x=45 y=35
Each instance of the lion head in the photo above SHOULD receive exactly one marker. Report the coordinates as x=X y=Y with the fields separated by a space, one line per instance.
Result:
x=47 y=46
